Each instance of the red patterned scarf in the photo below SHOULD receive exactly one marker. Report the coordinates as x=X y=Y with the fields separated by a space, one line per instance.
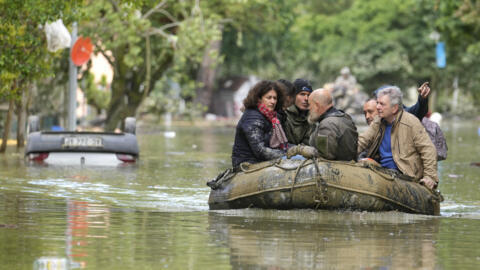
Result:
x=278 y=139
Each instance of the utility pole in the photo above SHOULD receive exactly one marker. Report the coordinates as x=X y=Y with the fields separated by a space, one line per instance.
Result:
x=72 y=85
x=455 y=94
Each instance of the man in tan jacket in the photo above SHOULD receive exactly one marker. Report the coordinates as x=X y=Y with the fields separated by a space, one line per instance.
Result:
x=399 y=141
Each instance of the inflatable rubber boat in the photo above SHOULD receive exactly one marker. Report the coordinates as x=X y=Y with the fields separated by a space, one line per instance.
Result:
x=321 y=184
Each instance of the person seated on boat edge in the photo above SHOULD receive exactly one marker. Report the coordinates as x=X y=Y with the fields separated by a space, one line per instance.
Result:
x=259 y=135
x=420 y=108
x=294 y=117
x=399 y=141
x=335 y=136
x=434 y=131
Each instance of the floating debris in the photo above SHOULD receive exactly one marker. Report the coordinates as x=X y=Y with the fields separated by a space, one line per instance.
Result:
x=169 y=134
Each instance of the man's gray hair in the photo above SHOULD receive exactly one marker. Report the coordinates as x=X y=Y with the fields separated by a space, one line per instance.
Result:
x=394 y=93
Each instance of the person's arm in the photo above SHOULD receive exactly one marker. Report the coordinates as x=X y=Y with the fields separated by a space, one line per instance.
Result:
x=366 y=138
x=420 y=109
x=253 y=129
x=428 y=154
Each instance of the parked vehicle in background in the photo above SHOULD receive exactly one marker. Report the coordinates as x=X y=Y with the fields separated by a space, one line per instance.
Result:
x=81 y=148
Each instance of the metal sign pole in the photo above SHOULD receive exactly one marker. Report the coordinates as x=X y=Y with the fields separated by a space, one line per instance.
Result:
x=72 y=85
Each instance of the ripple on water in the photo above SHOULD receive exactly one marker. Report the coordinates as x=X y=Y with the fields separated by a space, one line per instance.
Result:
x=453 y=209
x=158 y=198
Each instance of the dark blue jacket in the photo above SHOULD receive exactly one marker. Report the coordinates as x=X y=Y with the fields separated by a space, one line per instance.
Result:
x=420 y=108
x=252 y=139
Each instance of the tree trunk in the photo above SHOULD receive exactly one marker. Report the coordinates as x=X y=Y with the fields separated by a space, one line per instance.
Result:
x=117 y=103
x=206 y=75
x=124 y=101
x=125 y=95
x=8 y=122
x=21 y=116
x=120 y=110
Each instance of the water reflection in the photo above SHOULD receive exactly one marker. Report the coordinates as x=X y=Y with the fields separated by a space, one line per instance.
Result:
x=324 y=240
x=84 y=221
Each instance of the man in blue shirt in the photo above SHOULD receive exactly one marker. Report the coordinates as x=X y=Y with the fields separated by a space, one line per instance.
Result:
x=399 y=141
x=420 y=108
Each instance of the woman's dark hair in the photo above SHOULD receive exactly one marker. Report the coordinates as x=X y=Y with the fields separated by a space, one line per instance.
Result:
x=290 y=92
x=289 y=87
x=259 y=90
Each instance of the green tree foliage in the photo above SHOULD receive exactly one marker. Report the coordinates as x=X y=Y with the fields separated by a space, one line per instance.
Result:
x=459 y=26
x=23 y=52
x=259 y=38
x=315 y=39
x=96 y=94
x=381 y=43
x=146 y=42
x=154 y=45
x=24 y=56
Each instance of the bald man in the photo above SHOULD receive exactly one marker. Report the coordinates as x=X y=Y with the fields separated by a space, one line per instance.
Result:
x=335 y=136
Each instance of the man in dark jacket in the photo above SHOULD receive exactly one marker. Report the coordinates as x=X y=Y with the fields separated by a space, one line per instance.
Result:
x=335 y=135
x=295 y=124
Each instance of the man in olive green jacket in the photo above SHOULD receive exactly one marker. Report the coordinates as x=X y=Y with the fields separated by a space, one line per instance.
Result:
x=335 y=135
x=398 y=140
x=295 y=124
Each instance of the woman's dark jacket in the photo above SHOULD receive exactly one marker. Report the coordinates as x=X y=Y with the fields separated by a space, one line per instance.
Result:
x=252 y=139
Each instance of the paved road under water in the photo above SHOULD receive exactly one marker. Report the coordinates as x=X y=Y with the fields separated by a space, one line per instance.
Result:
x=154 y=215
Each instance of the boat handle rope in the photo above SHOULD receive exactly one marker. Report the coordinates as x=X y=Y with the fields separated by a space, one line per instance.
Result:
x=295 y=178
x=269 y=164
x=244 y=166
x=321 y=196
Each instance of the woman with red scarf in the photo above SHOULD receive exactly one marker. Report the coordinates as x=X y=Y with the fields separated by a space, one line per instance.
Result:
x=259 y=135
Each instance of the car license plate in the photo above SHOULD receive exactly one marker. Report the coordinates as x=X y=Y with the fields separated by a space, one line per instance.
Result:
x=72 y=142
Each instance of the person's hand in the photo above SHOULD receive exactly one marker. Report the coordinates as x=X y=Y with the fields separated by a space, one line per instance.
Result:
x=370 y=161
x=308 y=151
x=304 y=150
x=424 y=90
x=292 y=151
x=429 y=183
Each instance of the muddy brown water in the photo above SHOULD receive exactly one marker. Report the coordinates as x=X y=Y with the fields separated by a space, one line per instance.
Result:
x=154 y=215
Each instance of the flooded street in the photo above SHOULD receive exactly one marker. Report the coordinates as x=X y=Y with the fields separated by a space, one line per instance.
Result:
x=154 y=215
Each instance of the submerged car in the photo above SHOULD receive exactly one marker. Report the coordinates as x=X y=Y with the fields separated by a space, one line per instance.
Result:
x=81 y=148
